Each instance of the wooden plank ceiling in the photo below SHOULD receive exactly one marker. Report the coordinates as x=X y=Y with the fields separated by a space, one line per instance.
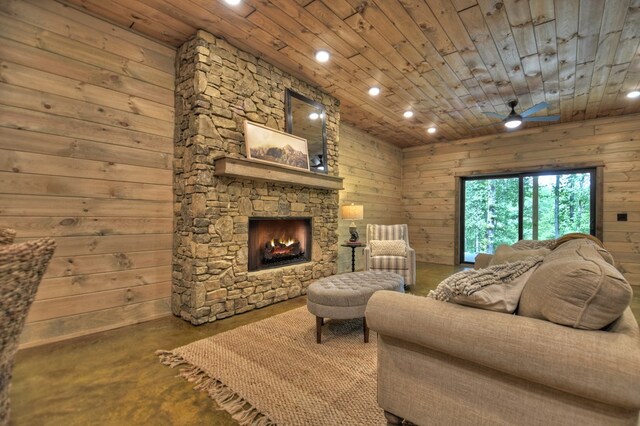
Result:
x=447 y=60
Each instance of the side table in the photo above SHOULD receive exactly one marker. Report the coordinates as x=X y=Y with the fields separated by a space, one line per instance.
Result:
x=353 y=246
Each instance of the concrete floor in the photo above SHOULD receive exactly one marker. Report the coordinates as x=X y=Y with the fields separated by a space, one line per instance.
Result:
x=114 y=377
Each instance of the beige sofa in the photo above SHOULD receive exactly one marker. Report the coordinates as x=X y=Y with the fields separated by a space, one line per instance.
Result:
x=443 y=364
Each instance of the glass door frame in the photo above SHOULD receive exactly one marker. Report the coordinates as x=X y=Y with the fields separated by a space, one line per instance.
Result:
x=593 y=201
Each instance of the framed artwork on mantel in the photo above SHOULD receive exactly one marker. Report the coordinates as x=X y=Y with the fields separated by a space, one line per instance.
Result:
x=272 y=146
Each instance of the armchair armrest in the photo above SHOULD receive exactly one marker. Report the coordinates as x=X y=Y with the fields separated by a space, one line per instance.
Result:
x=367 y=257
x=411 y=257
x=599 y=365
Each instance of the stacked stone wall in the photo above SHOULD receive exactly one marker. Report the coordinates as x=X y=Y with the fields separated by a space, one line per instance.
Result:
x=218 y=87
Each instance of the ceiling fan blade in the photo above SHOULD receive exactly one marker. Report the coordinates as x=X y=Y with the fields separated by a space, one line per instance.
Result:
x=493 y=114
x=545 y=118
x=534 y=109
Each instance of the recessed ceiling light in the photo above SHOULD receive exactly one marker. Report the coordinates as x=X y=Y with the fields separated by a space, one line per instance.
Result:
x=408 y=114
x=374 y=91
x=431 y=130
x=314 y=116
x=322 y=56
x=512 y=124
x=232 y=2
x=633 y=94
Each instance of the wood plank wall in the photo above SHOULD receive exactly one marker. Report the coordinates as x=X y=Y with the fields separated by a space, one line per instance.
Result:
x=86 y=149
x=373 y=178
x=429 y=193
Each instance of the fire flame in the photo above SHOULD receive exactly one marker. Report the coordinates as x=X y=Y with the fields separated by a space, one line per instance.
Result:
x=283 y=241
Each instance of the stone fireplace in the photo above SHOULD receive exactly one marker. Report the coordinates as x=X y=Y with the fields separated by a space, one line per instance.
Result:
x=218 y=87
x=278 y=242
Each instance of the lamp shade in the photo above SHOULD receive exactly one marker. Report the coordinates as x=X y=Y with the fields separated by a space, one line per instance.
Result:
x=352 y=212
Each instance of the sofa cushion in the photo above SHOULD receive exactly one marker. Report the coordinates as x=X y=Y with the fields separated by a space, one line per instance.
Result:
x=576 y=287
x=388 y=247
x=496 y=288
x=505 y=253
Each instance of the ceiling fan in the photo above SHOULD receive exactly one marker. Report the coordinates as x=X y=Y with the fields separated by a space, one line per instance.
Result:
x=514 y=119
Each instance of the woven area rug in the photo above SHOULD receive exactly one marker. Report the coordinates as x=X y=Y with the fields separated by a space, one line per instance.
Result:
x=274 y=372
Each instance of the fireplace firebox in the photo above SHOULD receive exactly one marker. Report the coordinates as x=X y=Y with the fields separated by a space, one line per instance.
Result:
x=275 y=242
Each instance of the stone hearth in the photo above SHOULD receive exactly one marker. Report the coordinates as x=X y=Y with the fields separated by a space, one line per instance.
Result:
x=218 y=87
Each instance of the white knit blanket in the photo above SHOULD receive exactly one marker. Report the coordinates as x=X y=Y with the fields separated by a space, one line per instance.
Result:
x=472 y=280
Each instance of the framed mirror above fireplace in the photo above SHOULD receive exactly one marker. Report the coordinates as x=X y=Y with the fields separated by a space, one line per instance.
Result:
x=276 y=242
x=307 y=119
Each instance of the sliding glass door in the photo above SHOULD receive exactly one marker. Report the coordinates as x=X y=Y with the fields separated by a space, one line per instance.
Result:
x=490 y=212
x=557 y=204
x=536 y=206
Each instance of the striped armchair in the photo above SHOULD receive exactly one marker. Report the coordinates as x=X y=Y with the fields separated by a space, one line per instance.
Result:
x=402 y=263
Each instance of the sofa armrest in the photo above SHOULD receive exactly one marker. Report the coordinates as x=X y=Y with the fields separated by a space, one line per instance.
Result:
x=482 y=260
x=599 y=365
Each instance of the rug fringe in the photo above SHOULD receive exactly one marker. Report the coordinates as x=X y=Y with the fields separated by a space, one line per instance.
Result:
x=239 y=408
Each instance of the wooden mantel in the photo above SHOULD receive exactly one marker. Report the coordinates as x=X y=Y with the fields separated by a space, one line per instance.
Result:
x=258 y=170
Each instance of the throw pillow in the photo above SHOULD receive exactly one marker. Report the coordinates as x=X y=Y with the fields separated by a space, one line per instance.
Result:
x=388 y=247
x=496 y=288
x=505 y=253
x=576 y=287
x=572 y=245
x=576 y=235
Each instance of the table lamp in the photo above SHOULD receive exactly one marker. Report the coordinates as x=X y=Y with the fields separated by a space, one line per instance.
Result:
x=353 y=213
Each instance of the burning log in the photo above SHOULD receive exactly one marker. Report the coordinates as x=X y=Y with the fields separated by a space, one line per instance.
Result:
x=276 y=249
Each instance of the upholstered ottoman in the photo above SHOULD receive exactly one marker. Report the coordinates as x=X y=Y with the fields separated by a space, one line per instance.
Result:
x=345 y=296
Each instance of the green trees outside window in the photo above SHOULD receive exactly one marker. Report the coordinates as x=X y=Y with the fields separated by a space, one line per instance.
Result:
x=504 y=209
